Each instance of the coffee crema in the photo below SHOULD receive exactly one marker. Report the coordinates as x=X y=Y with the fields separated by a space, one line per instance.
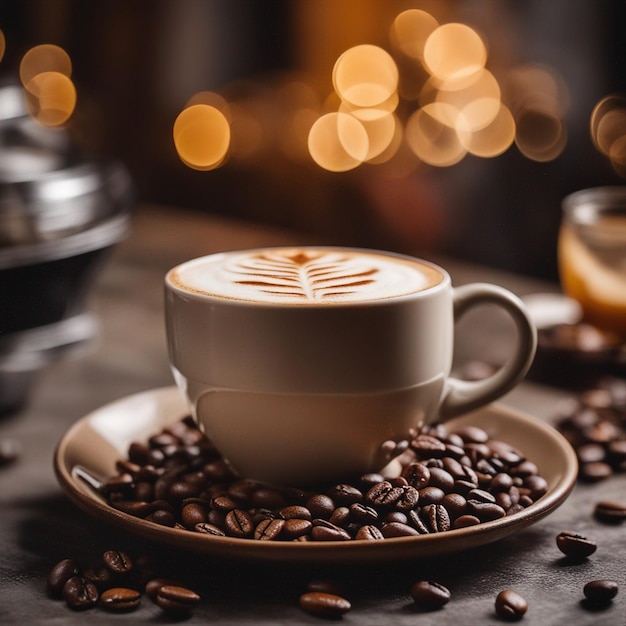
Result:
x=305 y=275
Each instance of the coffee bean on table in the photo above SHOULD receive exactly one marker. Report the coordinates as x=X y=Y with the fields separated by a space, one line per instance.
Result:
x=153 y=585
x=117 y=561
x=510 y=605
x=610 y=512
x=594 y=472
x=120 y=599
x=79 y=593
x=600 y=592
x=99 y=576
x=176 y=600
x=429 y=594
x=575 y=546
x=60 y=574
x=322 y=604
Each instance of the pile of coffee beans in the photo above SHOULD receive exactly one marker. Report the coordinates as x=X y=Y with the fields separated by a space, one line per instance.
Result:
x=442 y=480
x=595 y=424
x=116 y=583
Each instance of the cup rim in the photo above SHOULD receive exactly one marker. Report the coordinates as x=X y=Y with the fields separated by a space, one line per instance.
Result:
x=206 y=297
x=581 y=207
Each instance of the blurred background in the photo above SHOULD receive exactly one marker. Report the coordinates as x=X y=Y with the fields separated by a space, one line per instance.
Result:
x=486 y=189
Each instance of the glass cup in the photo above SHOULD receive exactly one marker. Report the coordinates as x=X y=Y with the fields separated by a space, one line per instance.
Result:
x=592 y=255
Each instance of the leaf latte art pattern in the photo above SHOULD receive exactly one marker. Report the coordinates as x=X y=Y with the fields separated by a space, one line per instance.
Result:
x=304 y=275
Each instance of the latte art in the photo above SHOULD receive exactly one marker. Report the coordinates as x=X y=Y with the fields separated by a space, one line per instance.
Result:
x=305 y=276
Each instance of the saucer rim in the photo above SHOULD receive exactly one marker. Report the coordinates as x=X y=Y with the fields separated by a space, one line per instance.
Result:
x=398 y=548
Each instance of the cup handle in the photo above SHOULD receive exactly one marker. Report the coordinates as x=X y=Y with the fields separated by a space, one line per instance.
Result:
x=461 y=396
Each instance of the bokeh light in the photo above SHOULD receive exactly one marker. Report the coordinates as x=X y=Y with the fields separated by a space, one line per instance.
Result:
x=50 y=98
x=365 y=76
x=454 y=51
x=380 y=133
x=478 y=101
x=491 y=140
x=433 y=135
x=212 y=99
x=410 y=30
x=201 y=136
x=338 y=142
x=541 y=135
x=608 y=130
x=44 y=58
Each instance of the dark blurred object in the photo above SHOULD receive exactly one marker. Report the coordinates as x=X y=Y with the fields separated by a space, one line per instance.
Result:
x=60 y=214
x=571 y=353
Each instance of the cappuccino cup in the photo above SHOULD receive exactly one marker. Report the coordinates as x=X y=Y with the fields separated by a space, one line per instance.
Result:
x=301 y=364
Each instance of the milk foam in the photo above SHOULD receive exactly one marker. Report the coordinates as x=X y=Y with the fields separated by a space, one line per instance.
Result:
x=304 y=276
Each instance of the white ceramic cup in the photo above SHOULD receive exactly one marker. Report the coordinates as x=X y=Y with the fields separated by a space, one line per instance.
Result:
x=299 y=363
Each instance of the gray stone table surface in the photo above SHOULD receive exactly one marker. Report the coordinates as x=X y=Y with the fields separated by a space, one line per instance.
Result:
x=39 y=525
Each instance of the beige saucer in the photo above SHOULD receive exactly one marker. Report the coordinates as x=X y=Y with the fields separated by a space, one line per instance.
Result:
x=94 y=443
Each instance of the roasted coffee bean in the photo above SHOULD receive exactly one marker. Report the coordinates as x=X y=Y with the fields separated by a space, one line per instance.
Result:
x=209 y=529
x=267 y=498
x=99 y=576
x=80 y=594
x=510 y=605
x=363 y=514
x=323 y=530
x=575 y=546
x=60 y=574
x=368 y=480
x=294 y=528
x=369 y=532
x=465 y=520
x=345 y=495
x=10 y=450
x=431 y=495
x=441 y=478
x=396 y=516
x=480 y=495
x=594 y=472
x=436 y=518
x=295 y=511
x=383 y=495
x=428 y=446
x=120 y=599
x=268 y=529
x=485 y=511
x=417 y=475
x=153 y=585
x=429 y=594
x=397 y=529
x=176 y=600
x=320 y=505
x=591 y=453
x=610 y=512
x=340 y=516
x=117 y=561
x=192 y=514
x=600 y=592
x=238 y=523
x=501 y=482
x=162 y=517
x=321 y=604
x=472 y=434
x=455 y=504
